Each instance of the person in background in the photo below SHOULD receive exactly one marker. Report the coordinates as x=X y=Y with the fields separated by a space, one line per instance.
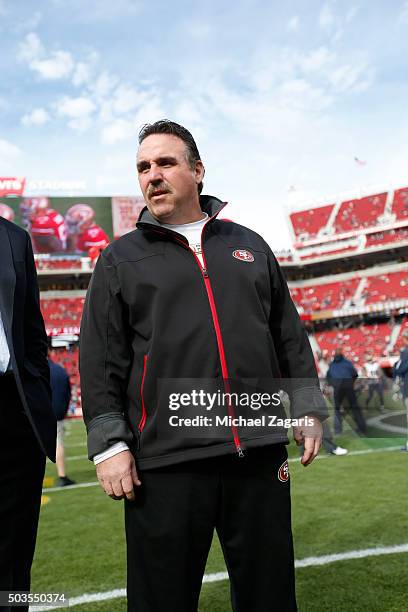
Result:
x=341 y=375
x=401 y=371
x=327 y=441
x=61 y=396
x=372 y=369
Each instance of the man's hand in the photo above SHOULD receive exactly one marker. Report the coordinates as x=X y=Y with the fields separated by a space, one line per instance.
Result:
x=118 y=476
x=310 y=436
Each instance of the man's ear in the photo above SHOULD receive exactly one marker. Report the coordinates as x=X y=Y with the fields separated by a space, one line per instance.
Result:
x=199 y=171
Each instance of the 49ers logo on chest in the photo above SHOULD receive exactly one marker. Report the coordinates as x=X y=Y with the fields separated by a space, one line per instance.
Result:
x=243 y=255
x=283 y=472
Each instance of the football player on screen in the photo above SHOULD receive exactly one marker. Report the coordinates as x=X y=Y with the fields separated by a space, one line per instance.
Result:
x=6 y=212
x=83 y=233
x=46 y=225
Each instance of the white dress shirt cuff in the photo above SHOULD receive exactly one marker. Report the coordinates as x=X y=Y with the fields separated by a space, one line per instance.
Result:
x=113 y=450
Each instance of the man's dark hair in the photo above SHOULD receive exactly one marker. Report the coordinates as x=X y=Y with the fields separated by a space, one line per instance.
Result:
x=165 y=126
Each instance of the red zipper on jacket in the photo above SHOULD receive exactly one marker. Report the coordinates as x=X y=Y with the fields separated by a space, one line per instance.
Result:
x=218 y=333
x=143 y=418
x=220 y=344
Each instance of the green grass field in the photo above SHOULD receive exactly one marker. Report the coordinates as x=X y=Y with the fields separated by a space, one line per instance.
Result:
x=340 y=504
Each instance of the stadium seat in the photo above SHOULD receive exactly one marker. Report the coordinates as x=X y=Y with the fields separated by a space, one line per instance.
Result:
x=308 y=223
x=359 y=213
x=400 y=203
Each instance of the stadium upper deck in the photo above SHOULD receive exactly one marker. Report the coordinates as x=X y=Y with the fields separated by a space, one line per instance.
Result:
x=349 y=227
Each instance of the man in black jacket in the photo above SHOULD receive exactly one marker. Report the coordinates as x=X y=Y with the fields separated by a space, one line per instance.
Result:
x=186 y=297
x=401 y=371
x=27 y=424
x=61 y=397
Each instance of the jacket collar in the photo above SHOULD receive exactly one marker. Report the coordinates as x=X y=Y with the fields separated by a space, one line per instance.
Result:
x=209 y=204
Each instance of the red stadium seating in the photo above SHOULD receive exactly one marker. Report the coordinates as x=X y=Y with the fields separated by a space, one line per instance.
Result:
x=399 y=343
x=400 y=203
x=355 y=342
x=387 y=237
x=360 y=213
x=324 y=297
x=315 y=254
x=68 y=358
x=307 y=223
x=60 y=313
x=386 y=287
x=58 y=264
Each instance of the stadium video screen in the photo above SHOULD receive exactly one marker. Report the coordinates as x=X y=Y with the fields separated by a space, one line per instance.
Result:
x=72 y=225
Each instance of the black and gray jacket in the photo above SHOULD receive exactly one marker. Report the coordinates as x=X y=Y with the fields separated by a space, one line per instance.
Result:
x=154 y=313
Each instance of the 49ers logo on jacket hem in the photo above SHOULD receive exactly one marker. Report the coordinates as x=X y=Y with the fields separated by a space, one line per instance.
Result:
x=243 y=255
x=283 y=472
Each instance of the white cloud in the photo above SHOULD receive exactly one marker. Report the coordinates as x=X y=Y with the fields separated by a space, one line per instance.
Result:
x=347 y=77
x=38 y=116
x=81 y=74
x=300 y=94
x=117 y=131
x=78 y=111
x=316 y=60
x=57 y=65
x=293 y=24
x=326 y=17
x=84 y=70
x=3 y=7
x=31 y=48
x=127 y=98
x=104 y=84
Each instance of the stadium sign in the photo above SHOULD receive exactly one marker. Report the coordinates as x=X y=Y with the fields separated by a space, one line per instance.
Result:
x=11 y=186
x=46 y=186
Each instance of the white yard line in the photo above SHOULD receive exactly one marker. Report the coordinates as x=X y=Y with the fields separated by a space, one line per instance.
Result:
x=364 y=451
x=81 y=485
x=219 y=576
x=74 y=445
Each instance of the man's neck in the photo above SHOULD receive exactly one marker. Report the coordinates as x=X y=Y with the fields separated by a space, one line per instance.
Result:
x=190 y=220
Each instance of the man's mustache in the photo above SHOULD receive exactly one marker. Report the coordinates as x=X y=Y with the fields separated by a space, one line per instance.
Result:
x=162 y=188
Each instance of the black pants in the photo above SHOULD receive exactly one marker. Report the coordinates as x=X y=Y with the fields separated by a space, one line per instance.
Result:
x=346 y=392
x=22 y=465
x=375 y=387
x=169 y=529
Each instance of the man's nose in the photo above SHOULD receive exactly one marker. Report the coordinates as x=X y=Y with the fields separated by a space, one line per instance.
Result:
x=155 y=174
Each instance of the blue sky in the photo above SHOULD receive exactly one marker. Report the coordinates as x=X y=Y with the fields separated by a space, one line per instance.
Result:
x=278 y=95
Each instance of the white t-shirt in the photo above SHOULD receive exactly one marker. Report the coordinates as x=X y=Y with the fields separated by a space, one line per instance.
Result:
x=191 y=231
x=371 y=367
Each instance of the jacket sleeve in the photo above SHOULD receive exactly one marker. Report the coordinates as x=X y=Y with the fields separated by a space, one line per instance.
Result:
x=68 y=393
x=296 y=363
x=402 y=368
x=104 y=360
x=35 y=337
